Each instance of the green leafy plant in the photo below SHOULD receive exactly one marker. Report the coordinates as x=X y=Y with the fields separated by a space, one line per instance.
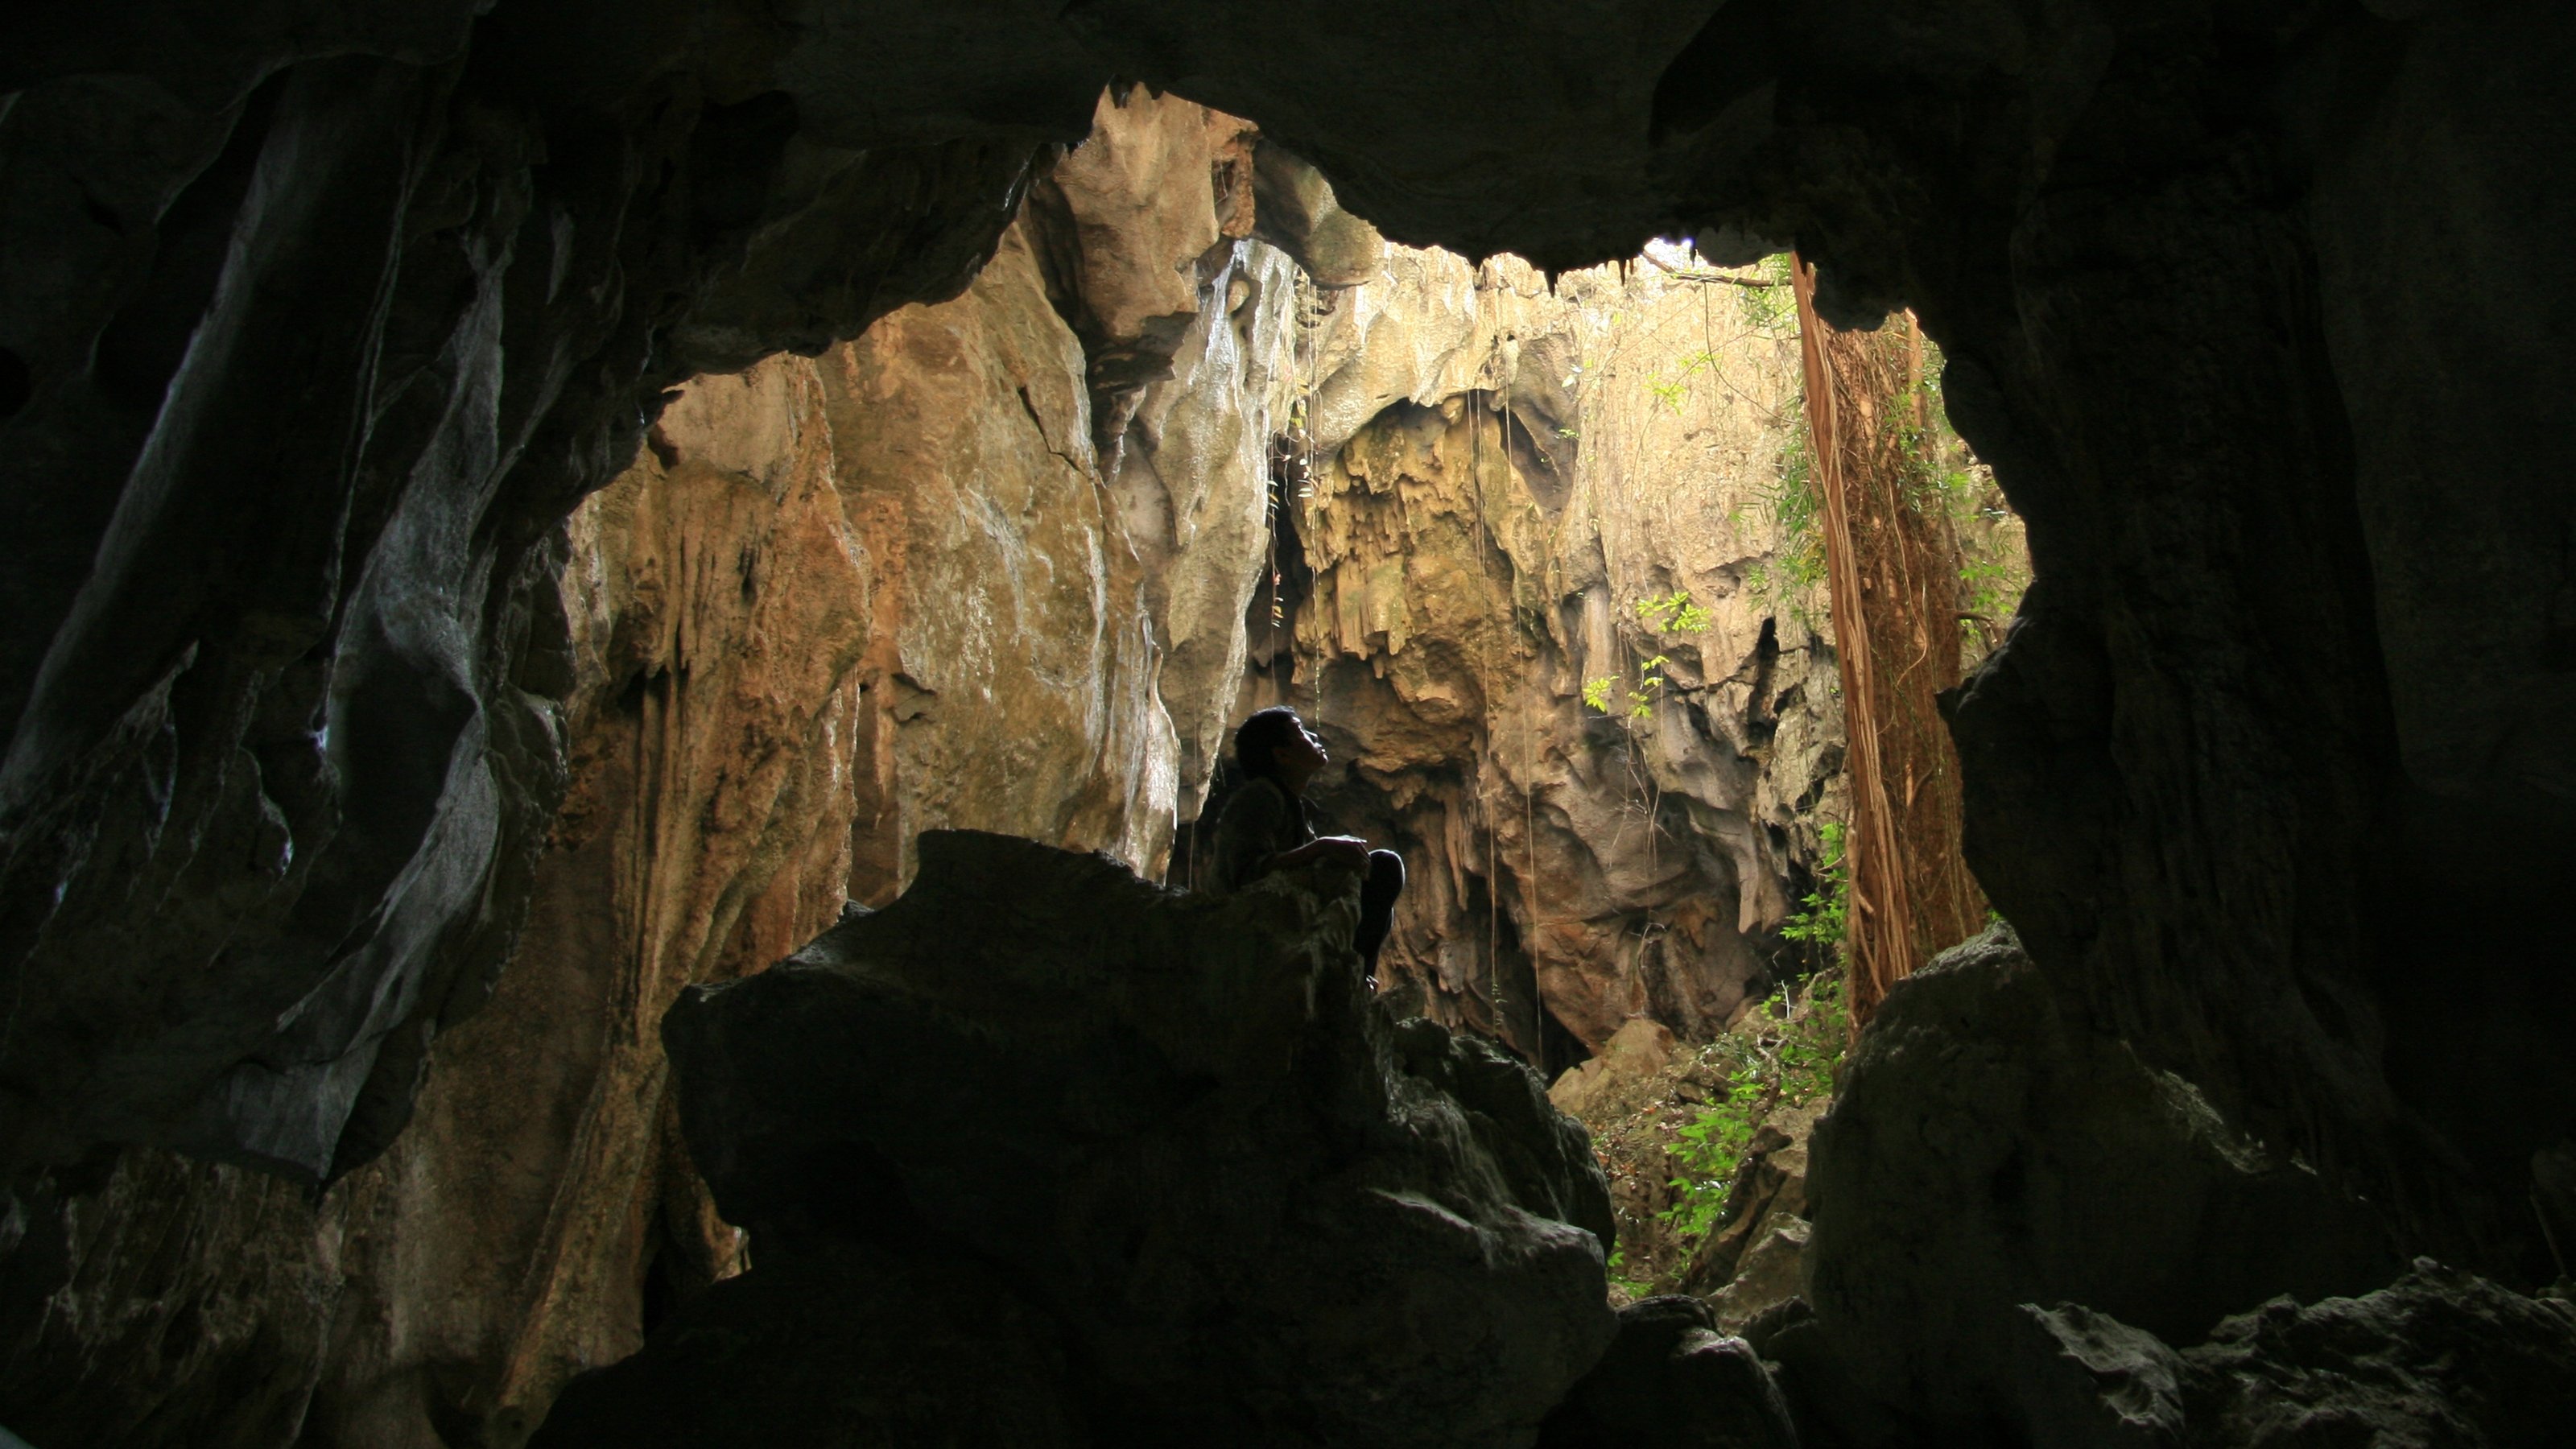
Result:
x=1790 y=1064
x=1650 y=687
x=1824 y=917
x=1787 y=581
x=1674 y=613
x=1772 y=309
x=1798 y=1070
x=1619 y=1279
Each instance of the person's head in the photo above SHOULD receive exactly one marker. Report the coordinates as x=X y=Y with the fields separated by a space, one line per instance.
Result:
x=1275 y=745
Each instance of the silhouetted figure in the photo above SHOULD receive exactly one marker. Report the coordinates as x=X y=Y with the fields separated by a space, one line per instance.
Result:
x=1264 y=826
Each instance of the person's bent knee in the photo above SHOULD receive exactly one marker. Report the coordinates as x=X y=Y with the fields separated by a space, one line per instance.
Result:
x=1385 y=872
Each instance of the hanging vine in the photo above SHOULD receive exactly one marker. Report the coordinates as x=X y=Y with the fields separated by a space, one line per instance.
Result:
x=1892 y=571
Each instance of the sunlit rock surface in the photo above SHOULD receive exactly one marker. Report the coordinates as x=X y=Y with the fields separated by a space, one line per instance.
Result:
x=1192 y=1177
x=1494 y=476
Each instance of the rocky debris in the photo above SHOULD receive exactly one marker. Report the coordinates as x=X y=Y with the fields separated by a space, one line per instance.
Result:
x=1755 y=1257
x=1640 y=1049
x=1986 y=1151
x=2088 y=1379
x=1249 y=1205
x=1671 y=1379
x=1637 y=1119
x=2437 y=1357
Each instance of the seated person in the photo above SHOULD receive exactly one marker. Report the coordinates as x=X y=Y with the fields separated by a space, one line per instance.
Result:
x=1264 y=826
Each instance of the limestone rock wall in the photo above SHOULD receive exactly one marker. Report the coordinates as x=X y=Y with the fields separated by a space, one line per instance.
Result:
x=833 y=602
x=1495 y=476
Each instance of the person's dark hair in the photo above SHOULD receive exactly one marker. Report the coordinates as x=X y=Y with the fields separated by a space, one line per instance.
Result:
x=1257 y=737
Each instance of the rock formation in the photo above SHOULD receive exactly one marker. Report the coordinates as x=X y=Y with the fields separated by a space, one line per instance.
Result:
x=834 y=602
x=1986 y=1152
x=1528 y=593
x=1670 y=1379
x=1195 y=1185
x=316 y=321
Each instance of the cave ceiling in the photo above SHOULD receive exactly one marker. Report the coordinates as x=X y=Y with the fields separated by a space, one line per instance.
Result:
x=320 y=315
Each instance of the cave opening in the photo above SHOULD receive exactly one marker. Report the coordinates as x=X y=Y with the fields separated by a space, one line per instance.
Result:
x=608 y=620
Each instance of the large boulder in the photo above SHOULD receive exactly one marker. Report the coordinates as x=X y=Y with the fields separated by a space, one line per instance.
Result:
x=1169 y=1140
x=1987 y=1151
x=2440 y=1357
x=1672 y=1381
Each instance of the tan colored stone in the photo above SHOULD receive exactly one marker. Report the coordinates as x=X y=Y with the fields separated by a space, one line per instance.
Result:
x=1504 y=472
x=717 y=610
x=1158 y=183
x=1010 y=672
x=1636 y=1051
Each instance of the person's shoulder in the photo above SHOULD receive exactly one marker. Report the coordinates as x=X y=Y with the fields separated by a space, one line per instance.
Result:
x=1257 y=796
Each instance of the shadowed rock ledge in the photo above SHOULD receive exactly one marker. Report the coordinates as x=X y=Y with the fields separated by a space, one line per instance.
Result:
x=1044 y=1154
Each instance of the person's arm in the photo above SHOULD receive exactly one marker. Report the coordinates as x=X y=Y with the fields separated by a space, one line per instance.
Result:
x=1348 y=849
x=1254 y=819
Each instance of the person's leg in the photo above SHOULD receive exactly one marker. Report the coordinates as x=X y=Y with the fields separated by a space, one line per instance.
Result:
x=1377 y=904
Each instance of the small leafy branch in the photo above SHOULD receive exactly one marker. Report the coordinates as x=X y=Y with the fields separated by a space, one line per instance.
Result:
x=1672 y=613
x=1670 y=391
x=1771 y=308
x=1640 y=701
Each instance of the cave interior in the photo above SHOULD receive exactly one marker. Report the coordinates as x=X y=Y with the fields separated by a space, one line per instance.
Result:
x=318 y=318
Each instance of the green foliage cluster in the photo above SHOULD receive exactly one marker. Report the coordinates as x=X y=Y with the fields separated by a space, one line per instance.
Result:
x=1670 y=391
x=1993 y=586
x=1944 y=478
x=1787 y=582
x=1823 y=919
x=1672 y=613
x=1772 y=309
x=1789 y=1064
